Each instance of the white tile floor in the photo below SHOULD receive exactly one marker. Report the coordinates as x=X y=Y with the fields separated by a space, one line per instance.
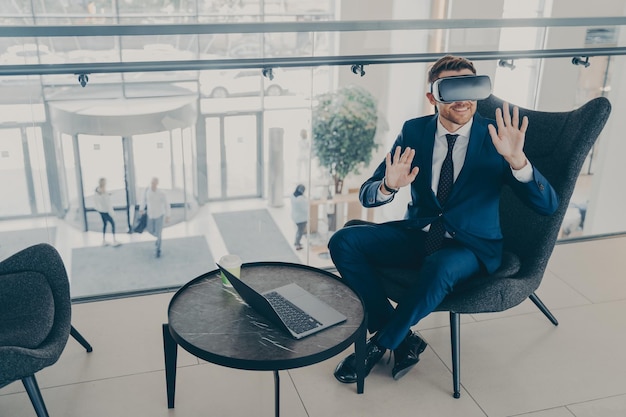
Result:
x=514 y=363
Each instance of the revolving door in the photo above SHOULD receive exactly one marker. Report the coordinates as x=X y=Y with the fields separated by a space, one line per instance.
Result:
x=118 y=141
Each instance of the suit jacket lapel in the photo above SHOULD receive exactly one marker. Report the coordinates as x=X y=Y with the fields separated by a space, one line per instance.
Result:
x=478 y=135
x=427 y=144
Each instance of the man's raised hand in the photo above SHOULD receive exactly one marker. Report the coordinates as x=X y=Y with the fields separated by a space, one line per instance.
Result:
x=510 y=136
x=398 y=171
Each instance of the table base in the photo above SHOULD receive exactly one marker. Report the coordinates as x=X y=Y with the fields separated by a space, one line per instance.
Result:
x=170 y=348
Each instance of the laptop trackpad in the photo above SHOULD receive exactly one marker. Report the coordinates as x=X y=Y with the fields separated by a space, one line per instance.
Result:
x=310 y=304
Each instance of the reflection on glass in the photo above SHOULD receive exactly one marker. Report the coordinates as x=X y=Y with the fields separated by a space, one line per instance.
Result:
x=189 y=163
x=69 y=183
x=224 y=161
x=213 y=156
x=240 y=150
x=37 y=161
x=13 y=174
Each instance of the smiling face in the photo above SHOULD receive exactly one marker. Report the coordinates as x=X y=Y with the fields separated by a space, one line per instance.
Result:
x=456 y=114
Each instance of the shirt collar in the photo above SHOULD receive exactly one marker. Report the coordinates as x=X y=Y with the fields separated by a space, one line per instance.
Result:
x=464 y=131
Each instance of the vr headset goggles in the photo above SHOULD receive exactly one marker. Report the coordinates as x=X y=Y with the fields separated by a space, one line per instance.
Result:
x=461 y=88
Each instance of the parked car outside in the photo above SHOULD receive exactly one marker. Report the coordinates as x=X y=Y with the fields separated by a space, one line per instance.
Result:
x=237 y=83
x=250 y=82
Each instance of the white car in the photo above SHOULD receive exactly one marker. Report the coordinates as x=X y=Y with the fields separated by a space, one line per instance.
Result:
x=244 y=82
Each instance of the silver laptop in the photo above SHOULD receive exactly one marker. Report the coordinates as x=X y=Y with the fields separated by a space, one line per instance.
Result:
x=290 y=307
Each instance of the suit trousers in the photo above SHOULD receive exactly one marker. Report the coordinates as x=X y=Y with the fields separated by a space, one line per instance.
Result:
x=359 y=251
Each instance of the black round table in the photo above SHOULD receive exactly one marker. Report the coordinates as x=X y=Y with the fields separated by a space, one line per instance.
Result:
x=211 y=322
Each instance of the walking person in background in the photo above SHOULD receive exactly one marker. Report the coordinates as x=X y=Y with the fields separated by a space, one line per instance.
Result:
x=304 y=152
x=158 y=209
x=102 y=204
x=299 y=213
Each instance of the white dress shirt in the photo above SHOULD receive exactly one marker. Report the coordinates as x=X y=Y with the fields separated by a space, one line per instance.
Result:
x=440 y=150
x=156 y=203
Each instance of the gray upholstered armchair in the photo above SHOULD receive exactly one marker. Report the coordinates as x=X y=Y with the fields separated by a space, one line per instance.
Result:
x=35 y=310
x=557 y=144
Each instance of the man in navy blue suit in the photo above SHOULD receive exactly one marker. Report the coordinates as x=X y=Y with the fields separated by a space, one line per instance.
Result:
x=480 y=156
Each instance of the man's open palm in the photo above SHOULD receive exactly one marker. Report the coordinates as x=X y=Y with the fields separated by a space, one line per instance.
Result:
x=510 y=135
x=398 y=172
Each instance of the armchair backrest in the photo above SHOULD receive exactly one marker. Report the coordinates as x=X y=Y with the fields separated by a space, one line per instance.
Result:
x=36 y=280
x=557 y=143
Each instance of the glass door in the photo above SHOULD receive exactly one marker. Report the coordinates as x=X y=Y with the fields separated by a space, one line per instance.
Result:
x=23 y=175
x=103 y=157
x=235 y=163
x=152 y=157
x=169 y=157
x=129 y=164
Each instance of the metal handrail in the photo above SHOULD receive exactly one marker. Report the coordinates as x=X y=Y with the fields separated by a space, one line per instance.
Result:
x=278 y=27
x=293 y=62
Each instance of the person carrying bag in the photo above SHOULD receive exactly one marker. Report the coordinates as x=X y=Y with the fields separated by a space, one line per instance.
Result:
x=141 y=220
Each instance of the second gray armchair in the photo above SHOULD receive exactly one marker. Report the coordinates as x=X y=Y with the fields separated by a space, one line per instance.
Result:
x=35 y=307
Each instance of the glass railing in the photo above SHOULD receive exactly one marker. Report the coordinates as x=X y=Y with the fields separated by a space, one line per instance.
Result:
x=223 y=115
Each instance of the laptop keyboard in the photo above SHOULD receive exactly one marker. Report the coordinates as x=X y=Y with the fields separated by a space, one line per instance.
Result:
x=293 y=317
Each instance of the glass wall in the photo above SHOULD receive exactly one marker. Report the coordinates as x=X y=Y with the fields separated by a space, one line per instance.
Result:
x=229 y=145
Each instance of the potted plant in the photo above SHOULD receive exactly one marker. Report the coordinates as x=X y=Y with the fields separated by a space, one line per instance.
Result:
x=344 y=126
x=343 y=129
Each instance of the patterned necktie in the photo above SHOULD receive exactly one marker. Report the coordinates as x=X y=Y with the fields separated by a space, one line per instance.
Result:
x=436 y=233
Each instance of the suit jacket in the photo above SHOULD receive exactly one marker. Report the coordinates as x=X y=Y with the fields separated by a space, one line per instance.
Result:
x=471 y=213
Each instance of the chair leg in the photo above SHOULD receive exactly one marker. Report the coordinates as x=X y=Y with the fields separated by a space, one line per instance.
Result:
x=533 y=297
x=80 y=339
x=32 y=388
x=455 y=339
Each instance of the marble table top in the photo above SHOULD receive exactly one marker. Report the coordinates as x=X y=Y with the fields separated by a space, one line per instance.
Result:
x=213 y=323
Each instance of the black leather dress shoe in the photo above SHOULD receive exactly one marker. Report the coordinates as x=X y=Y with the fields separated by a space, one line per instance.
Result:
x=407 y=355
x=346 y=370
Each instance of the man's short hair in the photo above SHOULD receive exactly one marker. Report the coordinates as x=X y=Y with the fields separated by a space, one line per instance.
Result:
x=449 y=63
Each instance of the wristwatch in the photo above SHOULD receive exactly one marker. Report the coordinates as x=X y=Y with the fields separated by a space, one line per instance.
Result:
x=388 y=188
